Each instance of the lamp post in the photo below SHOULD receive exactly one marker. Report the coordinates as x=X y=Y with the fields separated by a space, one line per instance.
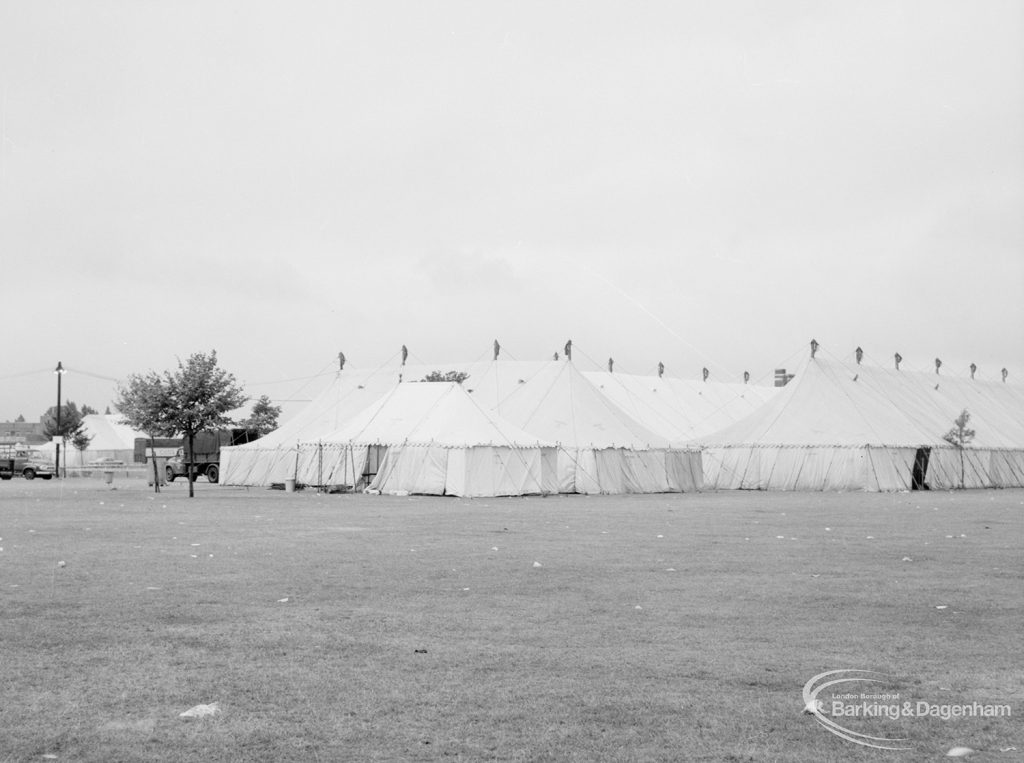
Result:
x=60 y=372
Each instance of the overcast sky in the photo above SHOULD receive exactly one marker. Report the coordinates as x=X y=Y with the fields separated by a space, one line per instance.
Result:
x=702 y=184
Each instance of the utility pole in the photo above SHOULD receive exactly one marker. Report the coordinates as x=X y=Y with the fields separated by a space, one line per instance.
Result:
x=60 y=372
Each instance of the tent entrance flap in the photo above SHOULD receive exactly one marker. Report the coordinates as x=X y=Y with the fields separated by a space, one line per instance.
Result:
x=374 y=458
x=920 y=472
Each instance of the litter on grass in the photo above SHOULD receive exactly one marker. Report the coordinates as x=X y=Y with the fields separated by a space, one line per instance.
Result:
x=201 y=711
x=537 y=564
x=959 y=752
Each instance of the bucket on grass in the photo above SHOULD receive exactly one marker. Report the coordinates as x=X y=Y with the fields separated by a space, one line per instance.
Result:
x=289 y=486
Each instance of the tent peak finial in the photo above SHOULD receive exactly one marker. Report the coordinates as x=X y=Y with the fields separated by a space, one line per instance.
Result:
x=814 y=348
x=898 y=358
x=860 y=355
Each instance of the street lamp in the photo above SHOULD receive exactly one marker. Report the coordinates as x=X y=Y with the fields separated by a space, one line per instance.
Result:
x=60 y=372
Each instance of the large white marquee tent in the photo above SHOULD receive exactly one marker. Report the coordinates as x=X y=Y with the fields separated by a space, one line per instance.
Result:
x=839 y=426
x=600 y=447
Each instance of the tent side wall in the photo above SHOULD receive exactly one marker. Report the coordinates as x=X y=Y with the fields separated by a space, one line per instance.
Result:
x=615 y=471
x=330 y=464
x=684 y=471
x=257 y=467
x=1006 y=468
x=807 y=468
x=484 y=471
x=857 y=468
x=980 y=467
x=418 y=469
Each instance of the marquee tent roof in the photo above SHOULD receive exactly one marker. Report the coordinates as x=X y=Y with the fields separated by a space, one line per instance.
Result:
x=559 y=404
x=109 y=433
x=680 y=409
x=830 y=403
x=431 y=413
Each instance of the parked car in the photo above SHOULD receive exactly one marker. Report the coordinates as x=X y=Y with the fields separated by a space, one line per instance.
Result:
x=107 y=463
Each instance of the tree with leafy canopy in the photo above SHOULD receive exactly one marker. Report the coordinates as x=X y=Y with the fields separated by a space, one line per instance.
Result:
x=70 y=420
x=447 y=376
x=263 y=417
x=959 y=437
x=71 y=425
x=196 y=397
x=143 y=403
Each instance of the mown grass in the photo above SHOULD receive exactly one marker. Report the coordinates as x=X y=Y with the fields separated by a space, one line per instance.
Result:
x=656 y=628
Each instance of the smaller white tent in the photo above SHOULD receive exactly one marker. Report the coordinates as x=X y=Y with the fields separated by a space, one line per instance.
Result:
x=429 y=438
x=111 y=438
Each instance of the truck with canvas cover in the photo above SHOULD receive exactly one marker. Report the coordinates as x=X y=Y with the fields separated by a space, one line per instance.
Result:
x=205 y=458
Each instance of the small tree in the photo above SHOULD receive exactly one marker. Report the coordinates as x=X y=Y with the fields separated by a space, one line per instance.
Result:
x=447 y=376
x=959 y=437
x=144 y=404
x=81 y=441
x=263 y=417
x=200 y=395
x=196 y=397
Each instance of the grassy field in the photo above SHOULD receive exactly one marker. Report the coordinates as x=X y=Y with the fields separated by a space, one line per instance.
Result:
x=608 y=628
